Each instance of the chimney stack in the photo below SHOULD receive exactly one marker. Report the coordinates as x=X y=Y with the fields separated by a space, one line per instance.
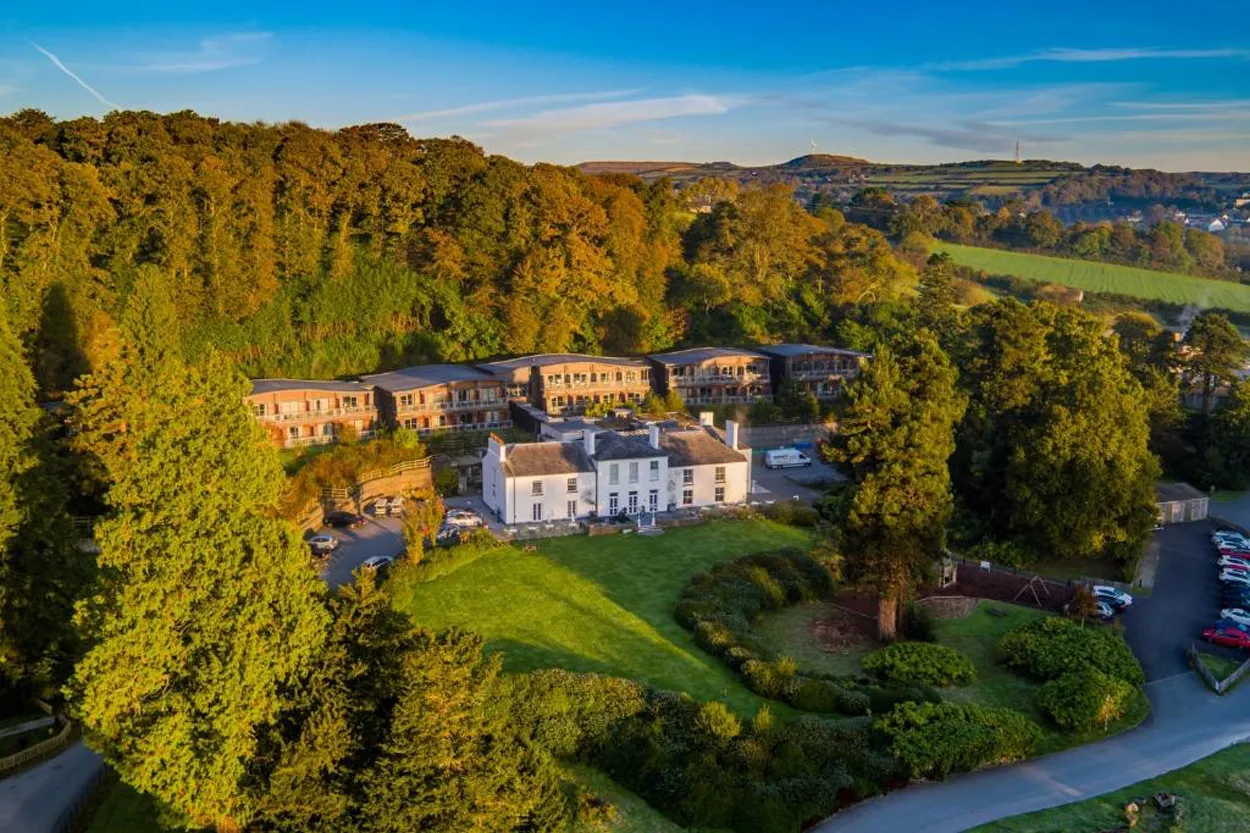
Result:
x=731 y=434
x=495 y=445
x=588 y=440
x=705 y=419
x=653 y=436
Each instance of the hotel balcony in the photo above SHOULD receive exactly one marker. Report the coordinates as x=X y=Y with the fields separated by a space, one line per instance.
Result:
x=322 y=414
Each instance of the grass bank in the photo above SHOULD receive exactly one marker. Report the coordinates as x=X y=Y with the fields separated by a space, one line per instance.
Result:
x=602 y=604
x=1091 y=276
x=1214 y=796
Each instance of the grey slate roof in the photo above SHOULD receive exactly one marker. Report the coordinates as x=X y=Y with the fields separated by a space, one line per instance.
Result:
x=1169 y=492
x=611 y=445
x=697 y=447
x=423 y=376
x=276 y=385
x=695 y=355
x=545 y=359
x=790 y=350
x=536 y=459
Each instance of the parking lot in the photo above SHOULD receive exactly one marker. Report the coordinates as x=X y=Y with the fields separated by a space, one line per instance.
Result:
x=379 y=536
x=785 y=484
x=1185 y=600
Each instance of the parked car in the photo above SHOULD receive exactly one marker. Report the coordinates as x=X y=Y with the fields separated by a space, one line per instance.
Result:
x=786 y=458
x=1236 y=614
x=1231 y=548
x=1230 y=625
x=1105 y=611
x=1228 y=536
x=463 y=517
x=344 y=520
x=448 y=535
x=1227 y=636
x=1113 y=596
x=1238 y=577
x=1233 y=561
x=322 y=544
x=377 y=562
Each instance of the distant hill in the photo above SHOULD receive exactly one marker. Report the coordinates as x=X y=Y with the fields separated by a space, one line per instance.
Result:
x=1071 y=190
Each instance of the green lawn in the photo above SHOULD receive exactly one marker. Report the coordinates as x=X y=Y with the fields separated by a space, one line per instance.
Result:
x=1215 y=795
x=976 y=636
x=601 y=604
x=1104 y=277
x=124 y=810
x=1221 y=667
x=788 y=632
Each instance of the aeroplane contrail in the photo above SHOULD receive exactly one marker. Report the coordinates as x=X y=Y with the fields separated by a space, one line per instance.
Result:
x=57 y=61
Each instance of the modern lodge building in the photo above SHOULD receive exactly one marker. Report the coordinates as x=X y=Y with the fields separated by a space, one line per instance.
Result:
x=714 y=375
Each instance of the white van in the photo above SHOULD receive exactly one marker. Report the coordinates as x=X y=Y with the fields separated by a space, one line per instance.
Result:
x=786 y=458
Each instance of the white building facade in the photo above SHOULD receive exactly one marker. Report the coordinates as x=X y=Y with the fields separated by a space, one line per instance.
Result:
x=607 y=474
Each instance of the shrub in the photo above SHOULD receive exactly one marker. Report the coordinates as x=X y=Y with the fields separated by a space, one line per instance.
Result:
x=698 y=763
x=720 y=608
x=882 y=699
x=921 y=662
x=1085 y=699
x=932 y=740
x=792 y=513
x=1046 y=649
x=918 y=624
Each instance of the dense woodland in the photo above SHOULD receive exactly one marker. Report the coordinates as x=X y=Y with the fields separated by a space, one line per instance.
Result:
x=149 y=262
x=303 y=252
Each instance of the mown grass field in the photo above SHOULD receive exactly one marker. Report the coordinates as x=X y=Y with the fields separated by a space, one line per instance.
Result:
x=601 y=604
x=1104 y=277
x=1214 y=794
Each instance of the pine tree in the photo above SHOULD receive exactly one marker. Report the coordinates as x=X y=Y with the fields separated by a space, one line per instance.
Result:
x=1216 y=351
x=895 y=436
x=208 y=608
x=936 y=304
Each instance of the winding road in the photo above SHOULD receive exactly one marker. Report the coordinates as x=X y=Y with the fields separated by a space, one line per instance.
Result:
x=1187 y=723
x=41 y=798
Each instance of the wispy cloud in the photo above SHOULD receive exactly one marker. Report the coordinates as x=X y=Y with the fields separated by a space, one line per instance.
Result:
x=1225 y=104
x=57 y=63
x=234 y=49
x=512 y=103
x=602 y=116
x=975 y=136
x=1086 y=56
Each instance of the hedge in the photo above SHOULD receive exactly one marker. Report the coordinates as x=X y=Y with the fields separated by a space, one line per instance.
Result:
x=1048 y=648
x=1085 y=699
x=932 y=740
x=720 y=608
x=699 y=763
x=921 y=662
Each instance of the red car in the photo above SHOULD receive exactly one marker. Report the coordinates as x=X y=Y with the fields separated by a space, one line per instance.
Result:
x=1227 y=636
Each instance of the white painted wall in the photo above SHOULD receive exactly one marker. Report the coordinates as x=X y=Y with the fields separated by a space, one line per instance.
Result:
x=737 y=484
x=643 y=485
x=512 y=499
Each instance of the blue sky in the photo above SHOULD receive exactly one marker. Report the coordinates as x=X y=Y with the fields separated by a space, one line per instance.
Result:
x=1141 y=84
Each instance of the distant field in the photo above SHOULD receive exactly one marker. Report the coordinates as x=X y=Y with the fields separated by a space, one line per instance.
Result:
x=1105 y=277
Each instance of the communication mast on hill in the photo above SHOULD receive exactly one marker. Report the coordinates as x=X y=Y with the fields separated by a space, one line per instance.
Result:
x=1017 y=151
x=815 y=146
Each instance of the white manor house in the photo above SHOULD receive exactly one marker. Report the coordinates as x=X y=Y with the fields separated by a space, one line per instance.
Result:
x=606 y=473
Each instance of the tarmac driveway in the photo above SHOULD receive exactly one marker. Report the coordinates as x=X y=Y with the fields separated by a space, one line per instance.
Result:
x=379 y=536
x=1185 y=600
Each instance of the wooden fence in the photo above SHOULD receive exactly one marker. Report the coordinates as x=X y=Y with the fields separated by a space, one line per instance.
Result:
x=1220 y=687
x=343 y=493
x=45 y=747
